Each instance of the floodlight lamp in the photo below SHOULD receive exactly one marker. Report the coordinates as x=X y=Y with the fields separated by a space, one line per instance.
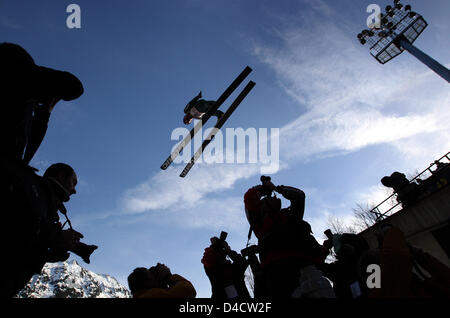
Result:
x=396 y=31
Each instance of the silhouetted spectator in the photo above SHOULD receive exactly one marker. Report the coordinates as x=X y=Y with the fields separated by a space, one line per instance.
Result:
x=23 y=87
x=406 y=192
x=439 y=166
x=344 y=272
x=159 y=282
x=28 y=94
x=62 y=180
x=34 y=234
x=284 y=238
x=227 y=277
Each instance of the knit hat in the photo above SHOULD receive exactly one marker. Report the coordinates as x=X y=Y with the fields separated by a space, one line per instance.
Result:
x=16 y=62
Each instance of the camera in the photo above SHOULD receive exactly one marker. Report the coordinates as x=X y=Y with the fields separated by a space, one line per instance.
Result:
x=265 y=179
x=251 y=250
x=223 y=236
x=60 y=253
x=265 y=191
x=84 y=251
x=218 y=244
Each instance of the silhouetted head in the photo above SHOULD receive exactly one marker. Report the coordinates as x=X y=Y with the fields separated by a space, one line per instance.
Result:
x=386 y=181
x=161 y=275
x=141 y=279
x=187 y=119
x=270 y=204
x=257 y=205
x=36 y=82
x=383 y=229
x=65 y=177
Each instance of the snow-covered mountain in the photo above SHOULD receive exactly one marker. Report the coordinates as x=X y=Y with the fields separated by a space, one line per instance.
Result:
x=70 y=280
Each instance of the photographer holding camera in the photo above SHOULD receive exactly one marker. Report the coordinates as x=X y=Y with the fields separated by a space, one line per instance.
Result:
x=35 y=235
x=226 y=277
x=345 y=273
x=158 y=282
x=286 y=246
x=61 y=180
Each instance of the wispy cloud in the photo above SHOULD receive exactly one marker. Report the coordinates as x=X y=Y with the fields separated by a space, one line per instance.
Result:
x=10 y=23
x=212 y=213
x=166 y=190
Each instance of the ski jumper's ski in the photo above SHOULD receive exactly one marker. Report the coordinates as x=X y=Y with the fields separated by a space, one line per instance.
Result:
x=206 y=116
x=217 y=127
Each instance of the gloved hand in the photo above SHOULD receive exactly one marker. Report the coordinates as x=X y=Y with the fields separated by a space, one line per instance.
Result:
x=69 y=239
x=161 y=273
x=328 y=244
x=57 y=255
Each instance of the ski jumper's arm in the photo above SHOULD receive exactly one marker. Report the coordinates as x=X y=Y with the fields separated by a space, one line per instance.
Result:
x=192 y=103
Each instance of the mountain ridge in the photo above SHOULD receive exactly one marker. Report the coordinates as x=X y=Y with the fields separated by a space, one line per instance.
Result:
x=71 y=280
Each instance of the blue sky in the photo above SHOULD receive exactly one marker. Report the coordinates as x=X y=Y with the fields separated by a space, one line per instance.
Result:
x=345 y=121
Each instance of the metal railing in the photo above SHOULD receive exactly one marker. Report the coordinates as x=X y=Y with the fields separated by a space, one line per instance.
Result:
x=381 y=215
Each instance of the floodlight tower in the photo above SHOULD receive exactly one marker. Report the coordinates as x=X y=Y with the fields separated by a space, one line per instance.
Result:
x=396 y=31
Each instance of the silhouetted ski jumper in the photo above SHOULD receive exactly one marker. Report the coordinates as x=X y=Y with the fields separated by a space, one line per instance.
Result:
x=197 y=107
